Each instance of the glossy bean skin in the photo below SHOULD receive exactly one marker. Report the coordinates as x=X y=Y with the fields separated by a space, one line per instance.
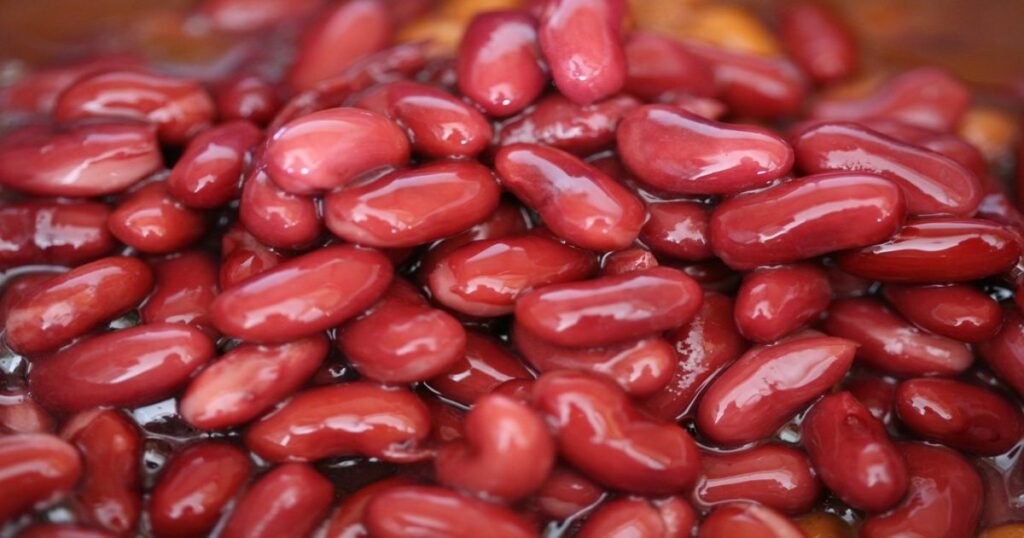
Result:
x=670 y=517
x=19 y=413
x=932 y=251
x=749 y=520
x=347 y=519
x=767 y=386
x=30 y=233
x=891 y=344
x=818 y=42
x=209 y=172
x=288 y=502
x=152 y=221
x=247 y=97
x=347 y=419
x=804 y=218
x=435 y=512
x=196 y=486
x=36 y=92
x=610 y=309
x=243 y=256
x=853 y=454
x=708 y=157
x=39 y=466
x=965 y=417
x=577 y=202
x=275 y=217
x=586 y=66
x=627 y=261
x=944 y=499
x=303 y=296
x=776 y=476
x=413 y=206
x=1004 y=353
x=773 y=302
x=932 y=184
x=485 y=364
x=249 y=380
x=558 y=122
x=658 y=66
x=678 y=229
x=603 y=434
x=186 y=285
x=957 y=311
x=947 y=144
x=508 y=219
x=498 y=62
x=566 y=492
x=69 y=305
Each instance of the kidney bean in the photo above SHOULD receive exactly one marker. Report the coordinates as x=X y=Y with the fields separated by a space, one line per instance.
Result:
x=808 y=217
x=249 y=15
x=586 y=66
x=558 y=122
x=36 y=92
x=768 y=385
x=670 y=517
x=931 y=183
x=40 y=467
x=958 y=415
x=640 y=367
x=178 y=108
x=347 y=520
x=288 y=502
x=509 y=219
x=51 y=530
x=853 y=455
x=18 y=287
x=610 y=309
x=413 y=206
x=957 y=311
x=331 y=148
x=877 y=394
x=498 y=62
x=627 y=261
x=275 y=217
x=302 y=296
x=566 y=493
x=748 y=520
x=944 y=500
x=67 y=306
x=19 y=413
x=247 y=97
x=350 y=418
x=127 y=368
x=446 y=421
x=604 y=435
x=434 y=512
x=776 y=476
x=817 y=41
x=657 y=66
x=891 y=344
x=52 y=232
x=775 y=301
x=186 y=285
x=484 y=365
x=484 y=278
x=209 y=172
x=708 y=157
x=1004 y=353
x=946 y=144
x=244 y=256
x=151 y=220
x=83 y=160
x=678 y=229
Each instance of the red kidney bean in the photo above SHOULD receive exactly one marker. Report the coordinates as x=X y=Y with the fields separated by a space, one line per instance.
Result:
x=817 y=41
x=333 y=147
x=36 y=92
x=40 y=467
x=926 y=97
x=18 y=287
x=413 y=206
x=566 y=493
x=944 y=500
x=275 y=217
x=586 y=66
x=776 y=476
x=109 y=496
x=509 y=219
x=931 y=183
x=678 y=229
x=249 y=380
x=244 y=256
x=958 y=415
x=877 y=394
x=302 y=296
x=346 y=419
x=484 y=278
x=186 y=285
x=151 y=220
x=950 y=145
x=52 y=232
x=558 y=122
x=288 y=502
x=853 y=455
x=209 y=172
x=957 y=311
x=1004 y=353
x=891 y=344
x=768 y=385
x=640 y=367
x=498 y=62
x=249 y=15
x=659 y=66
x=434 y=512
x=195 y=488
x=19 y=413
x=604 y=435
x=809 y=217
x=83 y=160
x=347 y=520
x=438 y=124
x=247 y=97
x=484 y=365
x=178 y=108
x=126 y=368
x=707 y=157
x=577 y=202
x=340 y=37
x=633 y=517
x=776 y=301
x=627 y=261
x=69 y=305
x=50 y=530
x=748 y=520
x=705 y=107
x=610 y=309
x=446 y=421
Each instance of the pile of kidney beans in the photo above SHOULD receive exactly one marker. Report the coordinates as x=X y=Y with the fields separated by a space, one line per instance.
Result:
x=538 y=287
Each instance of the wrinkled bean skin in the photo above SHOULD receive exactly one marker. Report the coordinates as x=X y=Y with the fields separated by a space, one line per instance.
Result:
x=498 y=63
x=748 y=520
x=209 y=172
x=670 y=517
x=586 y=65
x=39 y=466
x=957 y=311
x=185 y=288
x=817 y=41
x=853 y=455
x=247 y=97
x=776 y=476
x=804 y=218
x=485 y=364
x=678 y=229
x=1004 y=353
x=43 y=232
x=152 y=221
x=288 y=502
x=566 y=492
x=434 y=512
x=603 y=434
x=347 y=520
x=753 y=86
x=275 y=217
x=658 y=66
x=768 y=385
x=558 y=122
x=774 y=302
